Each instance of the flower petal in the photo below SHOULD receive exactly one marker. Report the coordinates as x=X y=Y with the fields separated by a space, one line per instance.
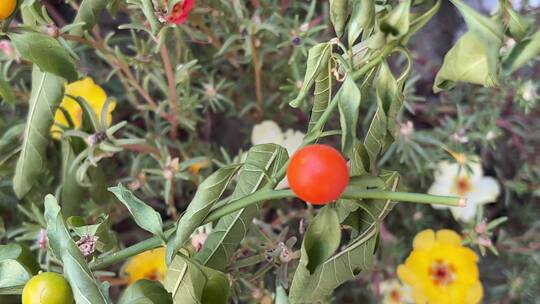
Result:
x=267 y=132
x=292 y=140
x=449 y=237
x=424 y=239
x=474 y=294
x=485 y=190
x=465 y=214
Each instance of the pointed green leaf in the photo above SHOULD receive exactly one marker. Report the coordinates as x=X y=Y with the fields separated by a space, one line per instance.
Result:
x=467 y=61
x=88 y=12
x=47 y=92
x=21 y=254
x=338 y=15
x=216 y=290
x=362 y=19
x=145 y=292
x=389 y=101
x=487 y=42
x=322 y=93
x=518 y=25
x=262 y=161
x=192 y=283
x=72 y=195
x=46 y=52
x=145 y=216
x=318 y=57
x=521 y=53
x=321 y=240
x=396 y=23
x=13 y=274
x=184 y=280
x=349 y=103
x=76 y=270
x=208 y=193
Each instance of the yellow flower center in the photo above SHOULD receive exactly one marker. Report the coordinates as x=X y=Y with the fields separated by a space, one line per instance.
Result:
x=462 y=186
x=442 y=273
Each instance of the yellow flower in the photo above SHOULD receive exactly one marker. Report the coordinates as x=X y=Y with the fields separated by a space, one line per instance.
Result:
x=91 y=93
x=439 y=270
x=147 y=265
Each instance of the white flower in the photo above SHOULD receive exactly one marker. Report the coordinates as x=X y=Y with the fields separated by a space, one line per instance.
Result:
x=393 y=292
x=268 y=132
x=453 y=179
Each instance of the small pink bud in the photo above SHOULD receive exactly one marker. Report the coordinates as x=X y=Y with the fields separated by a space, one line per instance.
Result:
x=198 y=240
x=42 y=240
x=87 y=244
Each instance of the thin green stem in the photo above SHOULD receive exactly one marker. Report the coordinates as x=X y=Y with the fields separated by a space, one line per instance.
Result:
x=419 y=198
x=268 y=194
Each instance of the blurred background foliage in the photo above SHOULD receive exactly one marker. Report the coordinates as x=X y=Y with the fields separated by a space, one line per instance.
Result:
x=238 y=63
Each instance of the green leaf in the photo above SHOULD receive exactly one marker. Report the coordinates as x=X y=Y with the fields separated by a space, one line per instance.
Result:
x=46 y=52
x=318 y=57
x=6 y=92
x=261 y=161
x=184 y=280
x=396 y=23
x=322 y=93
x=145 y=216
x=72 y=195
x=208 y=193
x=420 y=19
x=521 y=53
x=338 y=15
x=355 y=257
x=467 y=61
x=88 y=12
x=191 y=283
x=145 y=292
x=13 y=274
x=349 y=103
x=390 y=92
x=518 y=25
x=21 y=254
x=320 y=241
x=47 y=92
x=477 y=50
x=216 y=290
x=76 y=271
x=362 y=19
x=389 y=102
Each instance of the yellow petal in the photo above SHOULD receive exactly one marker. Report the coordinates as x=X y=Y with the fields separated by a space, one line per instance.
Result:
x=406 y=275
x=448 y=237
x=474 y=294
x=424 y=239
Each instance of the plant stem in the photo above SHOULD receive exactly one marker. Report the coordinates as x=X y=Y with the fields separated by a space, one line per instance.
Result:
x=268 y=194
x=173 y=96
x=419 y=198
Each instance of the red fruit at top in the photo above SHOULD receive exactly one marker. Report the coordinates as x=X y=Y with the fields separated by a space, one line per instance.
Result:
x=180 y=11
x=318 y=174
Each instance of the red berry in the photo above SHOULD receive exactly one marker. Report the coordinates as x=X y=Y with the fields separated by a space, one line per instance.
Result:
x=318 y=174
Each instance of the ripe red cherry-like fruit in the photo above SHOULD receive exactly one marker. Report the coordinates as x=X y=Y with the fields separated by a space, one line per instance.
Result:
x=318 y=174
